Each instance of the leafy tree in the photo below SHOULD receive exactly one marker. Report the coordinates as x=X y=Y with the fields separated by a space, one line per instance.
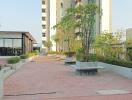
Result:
x=67 y=26
x=108 y=45
x=48 y=44
x=85 y=14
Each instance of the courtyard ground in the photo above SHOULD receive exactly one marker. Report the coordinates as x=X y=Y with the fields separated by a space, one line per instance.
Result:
x=47 y=78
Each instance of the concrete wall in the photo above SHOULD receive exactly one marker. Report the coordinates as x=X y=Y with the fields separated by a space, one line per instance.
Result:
x=10 y=35
x=123 y=71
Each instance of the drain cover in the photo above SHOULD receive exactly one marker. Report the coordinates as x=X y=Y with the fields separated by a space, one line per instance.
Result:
x=111 y=92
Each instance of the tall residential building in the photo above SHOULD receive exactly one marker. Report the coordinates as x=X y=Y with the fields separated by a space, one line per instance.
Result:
x=48 y=21
x=103 y=22
x=54 y=10
x=106 y=15
x=97 y=26
x=45 y=22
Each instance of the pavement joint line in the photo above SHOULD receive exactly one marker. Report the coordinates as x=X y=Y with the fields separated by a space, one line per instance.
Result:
x=28 y=94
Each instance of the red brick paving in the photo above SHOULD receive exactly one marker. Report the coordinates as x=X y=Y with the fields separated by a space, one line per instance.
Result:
x=48 y=75
x=3 y=61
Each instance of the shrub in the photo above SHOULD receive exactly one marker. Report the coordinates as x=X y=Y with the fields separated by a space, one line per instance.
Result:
x=36 y=52
x=52 y=52
x=81 y=57
x=69 y=54
x=129 y=53
x=24 y=56
x=13 y=60
x=114 y=61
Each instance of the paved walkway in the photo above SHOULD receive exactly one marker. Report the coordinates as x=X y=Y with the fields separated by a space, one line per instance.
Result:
x=49 y=79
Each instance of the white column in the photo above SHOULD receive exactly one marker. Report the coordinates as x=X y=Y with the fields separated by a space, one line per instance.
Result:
x=52 y=21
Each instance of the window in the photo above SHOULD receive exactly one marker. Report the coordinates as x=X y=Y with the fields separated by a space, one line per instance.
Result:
x=61 y=5
x=43 y=10
x=43 y=18
x=44 y=34
x=17 y=43
x=8 y=43
x=1 y=42
x=43 y=2
x=44 y=26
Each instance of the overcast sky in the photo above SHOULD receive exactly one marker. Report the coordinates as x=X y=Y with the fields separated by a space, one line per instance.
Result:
x=25 y=15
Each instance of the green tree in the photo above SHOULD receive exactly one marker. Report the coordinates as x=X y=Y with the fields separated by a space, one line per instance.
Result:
x=108 y=45
x=86 y=17
x=67 y=27
x=48 y=44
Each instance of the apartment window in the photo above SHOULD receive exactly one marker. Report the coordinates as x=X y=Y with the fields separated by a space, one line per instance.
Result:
x=44 y=26
x=43 y=2
x=43 y=10
x=44 y=34
x=61 y=5
x=43 y=18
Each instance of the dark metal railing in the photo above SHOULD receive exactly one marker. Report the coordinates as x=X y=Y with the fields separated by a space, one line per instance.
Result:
x=8 y=51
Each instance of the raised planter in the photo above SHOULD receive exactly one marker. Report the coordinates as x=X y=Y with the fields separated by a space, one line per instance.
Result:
x=87 y=68
x=126 y=72
x=86 y=64
x=70 y=60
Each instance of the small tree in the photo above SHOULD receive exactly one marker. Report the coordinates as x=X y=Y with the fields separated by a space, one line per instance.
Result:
x=56 y=39
x=67 y=26
x=48 y=44
x=85 y=14
x=108 y=45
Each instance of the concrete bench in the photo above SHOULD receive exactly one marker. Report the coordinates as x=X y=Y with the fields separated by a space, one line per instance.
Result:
x=87 y=70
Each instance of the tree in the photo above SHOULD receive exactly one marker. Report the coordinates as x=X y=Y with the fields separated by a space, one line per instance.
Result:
x=48 y=44
x=85 y=14
x=108 y=45
x=67 y=27
x=56 y=39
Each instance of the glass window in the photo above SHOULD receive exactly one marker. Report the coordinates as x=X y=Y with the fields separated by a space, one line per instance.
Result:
x=43 y=10
x=44 y=26
x=43 y=2
x=8 y=42
x=44 y=34
x=17 y=43
x=43 y=18
x=1 y=42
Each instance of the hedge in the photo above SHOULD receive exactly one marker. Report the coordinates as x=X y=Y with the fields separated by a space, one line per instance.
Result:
x=123 y=63
x=13 y=60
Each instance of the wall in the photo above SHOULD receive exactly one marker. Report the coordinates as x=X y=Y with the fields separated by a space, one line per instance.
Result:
x=53 y=22
x=107 y=15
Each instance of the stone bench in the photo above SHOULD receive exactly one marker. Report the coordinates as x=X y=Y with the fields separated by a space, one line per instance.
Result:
x=87 y=70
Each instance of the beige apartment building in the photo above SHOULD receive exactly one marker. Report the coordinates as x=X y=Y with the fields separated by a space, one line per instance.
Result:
x=45 y=21
x=54 y=10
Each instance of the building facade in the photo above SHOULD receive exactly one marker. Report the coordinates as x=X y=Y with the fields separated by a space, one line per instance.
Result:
x=14 y=43
x=54 y=10
x=45 y=22
x=106 y=21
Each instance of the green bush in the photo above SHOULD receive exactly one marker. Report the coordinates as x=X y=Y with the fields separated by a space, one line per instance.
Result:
x=114 y=61
x=36 y=52
x=24 y=56
x=52 y=52
x=80 y=56
x=129 y=53
x=13 y=60
x=70 y=54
